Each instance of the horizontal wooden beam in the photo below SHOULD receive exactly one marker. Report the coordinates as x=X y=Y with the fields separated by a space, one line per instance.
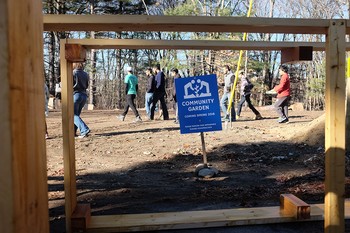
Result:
x=199 y=219
x=295 y=54
x=193 y=44
x=183 y=24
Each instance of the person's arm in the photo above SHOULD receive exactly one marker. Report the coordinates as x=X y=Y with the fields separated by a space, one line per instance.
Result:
x=75 y=81
x=149 y=85
x=158 y=80
x=126 y=88
x=137 y=87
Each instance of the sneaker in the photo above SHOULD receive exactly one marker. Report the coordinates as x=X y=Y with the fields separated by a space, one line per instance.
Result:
x=84 y=134
x=237 y=117
x=258 y=117
x=47 y=136
x=138 y=119
x=121 y=117
x=283 y=120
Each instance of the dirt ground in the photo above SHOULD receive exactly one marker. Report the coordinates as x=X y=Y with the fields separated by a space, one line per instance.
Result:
x=126 y=167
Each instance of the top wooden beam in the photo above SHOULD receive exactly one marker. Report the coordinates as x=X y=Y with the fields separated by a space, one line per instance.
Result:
x=183 y=24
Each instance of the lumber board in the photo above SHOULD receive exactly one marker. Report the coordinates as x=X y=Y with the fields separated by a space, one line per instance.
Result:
x=295 y=54
x=183 y=24
x=75 y=53
x=81 y=217
x=199 y=219
x=335 y=128
x=193 y=44
x=70 y=189
x=292 y=205
x=23 y=173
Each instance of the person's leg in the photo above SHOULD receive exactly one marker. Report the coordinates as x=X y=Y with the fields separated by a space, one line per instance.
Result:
x=127 y=105
x=76 y=100
x=285 y=107
x=240 y=105
x=46 y=133
x=148 y=103
x=176 y=110
x=233 y=112
x=155 y=99
x=131 y=102
x=79 y=102
x=250 y=105
x=164 y=107
x=279 y=107
x=223 y=104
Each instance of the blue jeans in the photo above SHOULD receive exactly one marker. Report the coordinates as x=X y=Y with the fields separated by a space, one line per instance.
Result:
x=224 y=103
x=148 y=103
x=79 y=102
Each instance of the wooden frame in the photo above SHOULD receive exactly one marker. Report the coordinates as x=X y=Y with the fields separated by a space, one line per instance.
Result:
x=335 y=31
x=195 y=44
x=23 y=171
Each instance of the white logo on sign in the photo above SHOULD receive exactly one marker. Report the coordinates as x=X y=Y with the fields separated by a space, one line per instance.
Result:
x=198 y=88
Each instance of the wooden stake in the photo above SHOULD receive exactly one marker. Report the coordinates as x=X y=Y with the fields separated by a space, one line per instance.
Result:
x=335 y=128
x=205 y=161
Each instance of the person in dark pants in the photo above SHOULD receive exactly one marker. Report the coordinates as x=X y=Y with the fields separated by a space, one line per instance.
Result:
x=159 y=93
x=131 y=88
x=176 y=75
x=245 y=90
x=80 y=84
x=283 y=95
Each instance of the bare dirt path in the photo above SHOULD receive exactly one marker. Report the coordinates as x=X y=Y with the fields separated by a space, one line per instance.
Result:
x=126 y=167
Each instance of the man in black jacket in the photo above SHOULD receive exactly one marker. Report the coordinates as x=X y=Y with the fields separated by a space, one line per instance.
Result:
x=159 y=93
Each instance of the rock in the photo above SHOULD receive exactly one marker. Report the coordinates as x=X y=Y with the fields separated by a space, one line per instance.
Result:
x=206 y=173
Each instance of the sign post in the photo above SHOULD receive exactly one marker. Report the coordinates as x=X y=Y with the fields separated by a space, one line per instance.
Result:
x=199 y=111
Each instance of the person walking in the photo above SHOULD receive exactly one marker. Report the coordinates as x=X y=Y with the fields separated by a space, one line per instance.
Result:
x=228 y=81
x=80 y=84
x=176 y=75
x=283 y=95
x=159 y=93
x=245 y=91
x=58 y=95
x=131 y=88
x=151 y=86
x=47 y=97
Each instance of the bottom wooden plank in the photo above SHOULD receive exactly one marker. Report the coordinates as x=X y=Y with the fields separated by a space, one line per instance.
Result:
x=199 y=219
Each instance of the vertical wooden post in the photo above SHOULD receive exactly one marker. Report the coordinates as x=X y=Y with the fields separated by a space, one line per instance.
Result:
x=347 y=107
x=68 y=136
x=23 y=174
x=335 y=128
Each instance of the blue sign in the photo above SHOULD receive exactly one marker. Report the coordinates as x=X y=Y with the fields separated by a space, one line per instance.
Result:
x=198 y=104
